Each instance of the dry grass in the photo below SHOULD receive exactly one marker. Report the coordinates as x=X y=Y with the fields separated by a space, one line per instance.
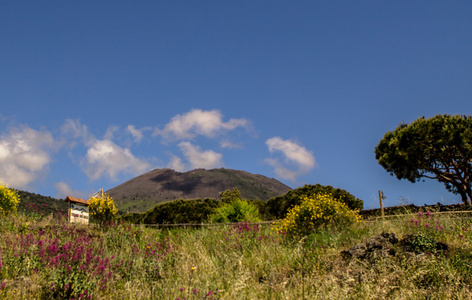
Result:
x=241 y=262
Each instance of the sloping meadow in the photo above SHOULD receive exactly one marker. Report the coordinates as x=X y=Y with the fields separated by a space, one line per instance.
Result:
x=46 y=258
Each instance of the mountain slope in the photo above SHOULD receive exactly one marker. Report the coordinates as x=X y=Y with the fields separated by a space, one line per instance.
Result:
x=145 y=191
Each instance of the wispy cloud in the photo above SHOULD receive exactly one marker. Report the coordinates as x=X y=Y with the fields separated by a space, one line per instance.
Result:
x=24 y=155
x=137 y=134
x=297 y=159
x=198 y=122
x=74 y=129
x=229 y=145
x=111 y=132
x=207 y=159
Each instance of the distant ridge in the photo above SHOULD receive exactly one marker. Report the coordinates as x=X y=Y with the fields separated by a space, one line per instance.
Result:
x=160 y=185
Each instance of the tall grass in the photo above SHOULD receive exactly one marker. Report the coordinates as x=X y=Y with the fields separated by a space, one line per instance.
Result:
x=46 y=258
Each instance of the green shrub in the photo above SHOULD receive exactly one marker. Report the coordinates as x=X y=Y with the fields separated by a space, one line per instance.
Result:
x=132 y=217
x=279 y=206
x=420 y=243
x=236 y=211
x=230 y=196
x=316 y=212
x=181 y=211
x=8 y=200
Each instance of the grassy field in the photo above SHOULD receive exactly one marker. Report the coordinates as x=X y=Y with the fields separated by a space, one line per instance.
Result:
x=45 y=258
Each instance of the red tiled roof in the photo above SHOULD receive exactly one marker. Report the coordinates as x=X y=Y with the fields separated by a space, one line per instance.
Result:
x=76 y=200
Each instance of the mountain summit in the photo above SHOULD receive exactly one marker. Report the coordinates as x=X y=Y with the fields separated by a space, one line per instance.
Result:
x=160 y=185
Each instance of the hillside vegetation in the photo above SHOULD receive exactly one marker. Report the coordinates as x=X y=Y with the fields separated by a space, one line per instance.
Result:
x=421 y=256
x=199 y=210
x=41 y=204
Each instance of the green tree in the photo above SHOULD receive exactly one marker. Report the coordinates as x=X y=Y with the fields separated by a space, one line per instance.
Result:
x=236 y=211
x=437 y=148
x=229 y=196
x=235 y=208
x=8 y=200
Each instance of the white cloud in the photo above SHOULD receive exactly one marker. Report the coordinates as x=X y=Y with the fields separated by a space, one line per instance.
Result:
x=64 y=190
x=201 y=159
x=24 y=155
x=105 y=158
x=198 y=122
x=295 y=155
x=282 y=171
x=176 y=164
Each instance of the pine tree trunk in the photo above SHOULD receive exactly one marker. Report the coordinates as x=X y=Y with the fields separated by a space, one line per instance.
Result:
x=465 y=197
x=468 y=192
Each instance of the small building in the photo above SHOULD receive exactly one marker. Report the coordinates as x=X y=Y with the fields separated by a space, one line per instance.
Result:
x=78 y=210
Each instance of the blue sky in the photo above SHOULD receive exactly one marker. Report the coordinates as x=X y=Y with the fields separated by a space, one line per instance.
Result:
x=94 y=93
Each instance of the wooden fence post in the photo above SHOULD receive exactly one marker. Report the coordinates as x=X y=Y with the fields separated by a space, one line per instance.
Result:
x=381 y=197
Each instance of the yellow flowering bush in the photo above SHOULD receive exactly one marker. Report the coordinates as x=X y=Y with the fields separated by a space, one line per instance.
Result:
x=9 y=200
x=316 y=212
x=102 y=208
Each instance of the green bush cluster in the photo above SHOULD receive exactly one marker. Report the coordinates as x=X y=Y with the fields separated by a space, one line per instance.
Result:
x=177 y=212
x=199 y=210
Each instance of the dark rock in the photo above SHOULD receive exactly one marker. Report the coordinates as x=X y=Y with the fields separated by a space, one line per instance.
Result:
x=379 y=246
x=387 y=245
